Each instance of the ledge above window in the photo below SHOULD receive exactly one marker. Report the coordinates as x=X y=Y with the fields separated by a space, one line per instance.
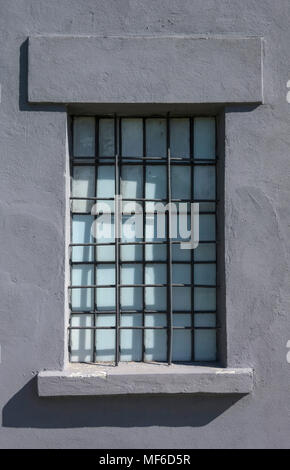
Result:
x=135 y=379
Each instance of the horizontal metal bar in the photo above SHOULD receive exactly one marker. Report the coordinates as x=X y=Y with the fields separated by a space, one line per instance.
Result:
x=142 y=199
x=146 y=311
x=75 y=263
x=112 y=286
x=138 y=243
x=142 y=327
x=147 y=161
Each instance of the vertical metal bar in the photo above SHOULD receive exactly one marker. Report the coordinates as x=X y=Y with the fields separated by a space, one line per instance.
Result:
x=216 y=233
x=192 y=251
x=144 y=227
x=117 y=240
x=71 y=150
x=95 y=249
x=169 y=250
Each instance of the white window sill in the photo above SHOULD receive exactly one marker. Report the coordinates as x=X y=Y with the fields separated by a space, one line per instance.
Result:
x=133 y=379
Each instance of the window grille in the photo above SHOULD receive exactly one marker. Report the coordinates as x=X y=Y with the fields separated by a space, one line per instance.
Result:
x=142 y=299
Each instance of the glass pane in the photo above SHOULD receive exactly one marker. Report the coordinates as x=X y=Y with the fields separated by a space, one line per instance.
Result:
x=81 y=233
x=106 y=319
x=204 y=298
x=131 y=340
x=132 y=137
x=180 y=182
x=82 y=275
x=81 y=341
x=205 y=274
x=204 y=182
x=181 y=273
x=181 y=298
x=181 y=345
x=205 y=252
x=105 y=297
x=205 y=319
x=207 y=207
x=205 y=345
x=156 y=138
x=179 y=254
x=206 y=227
x=104 y=233
x=156 y=182
x=179 y=138
x=131 y=274
x=155 y=340
x=182 y=319
x=105 y=345
x=83 y=185
x=131 y=253
x=155 y=229
x=84 y=137
x=132 y=181
x=105 y=181
x=204 y=138
x=132 y=227
x=155 y=252
x=106 y=138
x=131 y=298
x=155 y=297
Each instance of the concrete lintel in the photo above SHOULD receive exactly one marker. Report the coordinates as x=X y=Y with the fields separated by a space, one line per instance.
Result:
x=145 y=69
x=127 y=379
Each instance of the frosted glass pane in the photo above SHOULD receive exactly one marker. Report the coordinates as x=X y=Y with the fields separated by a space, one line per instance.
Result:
x=181 y=273
x=204 y=182
x=206 y=227
x=82 y=299
x=106 y=138
x=81 y=233
x=131 y=298
x=204 y=298
x=106 y=319
x=207 y=207
x=131 y=274
x=105 y=253
x=84 y=137
x=204 y=138
x=181 y=345
x=205 y=319
x=205 y=274
x=205 y=345
x=155 y=340
x=132 y=137
x=156 y=182
x=105 y=274
x=81 y=341
x=156 y=274
x=155 y=297
x=181 y=298
x=205 y=252
x=182 y=319
x=83 y=185
x=156 y=138
x=179 y=254
x=105 y=181
x=105 y=297
x=129 y=229
x=179 y=138
x=105 y=345
x=156 y=252
x=131 y=253
x=131 y=340
x=132 y=181
x=180 y=182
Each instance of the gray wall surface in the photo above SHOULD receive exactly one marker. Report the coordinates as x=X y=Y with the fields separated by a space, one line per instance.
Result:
x=33 y=175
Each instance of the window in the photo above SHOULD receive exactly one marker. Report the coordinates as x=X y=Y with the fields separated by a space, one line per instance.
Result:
x=142 y=298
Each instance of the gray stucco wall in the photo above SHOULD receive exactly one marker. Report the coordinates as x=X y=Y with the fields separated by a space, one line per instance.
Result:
x=32 y=234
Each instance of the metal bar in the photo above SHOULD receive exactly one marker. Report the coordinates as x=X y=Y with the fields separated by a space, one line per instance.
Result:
x=117 y=240
x=139 y=243
x=192 y=251
x=144 y=228
x=169 y=251
x=95 y=248
x=142 y=327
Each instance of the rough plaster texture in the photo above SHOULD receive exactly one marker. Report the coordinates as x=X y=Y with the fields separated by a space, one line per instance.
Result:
x=32 y=228
x=148 y=69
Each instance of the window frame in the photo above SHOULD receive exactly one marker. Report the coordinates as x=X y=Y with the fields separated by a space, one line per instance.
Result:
x=116 y=161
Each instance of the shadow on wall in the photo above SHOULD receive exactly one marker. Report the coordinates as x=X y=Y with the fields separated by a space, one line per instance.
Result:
x=26 y=409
